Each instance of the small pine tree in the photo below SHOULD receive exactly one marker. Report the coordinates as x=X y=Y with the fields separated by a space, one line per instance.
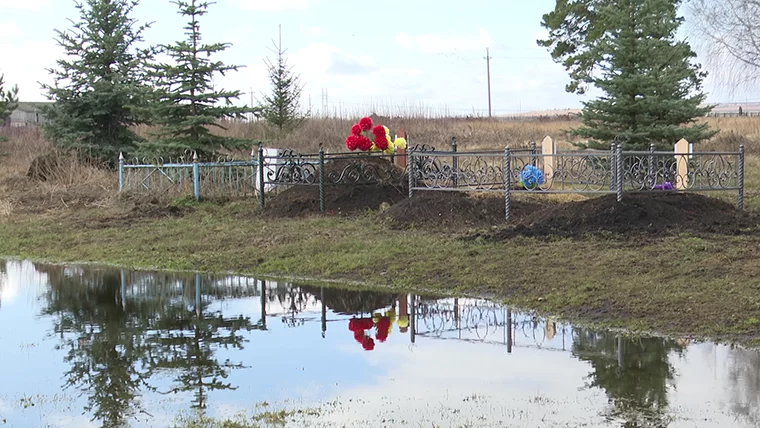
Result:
x=282 y=107
x=100 y=85
x=8 y=101
x=628 y=49
x=187 y=104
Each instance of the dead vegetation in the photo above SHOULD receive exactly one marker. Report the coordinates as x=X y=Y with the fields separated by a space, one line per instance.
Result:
x=65 y=181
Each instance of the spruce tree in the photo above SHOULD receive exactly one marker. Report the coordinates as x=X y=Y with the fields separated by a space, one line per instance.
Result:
x=8 y=100
x=100 y=83
x=281 y=107
x=187 y=104
x=628 y=49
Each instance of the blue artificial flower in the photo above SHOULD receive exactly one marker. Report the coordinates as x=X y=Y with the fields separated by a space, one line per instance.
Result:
x=531 y=177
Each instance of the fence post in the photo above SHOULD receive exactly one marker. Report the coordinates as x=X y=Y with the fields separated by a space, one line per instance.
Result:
x=507 y=183
x=613 y=167
x=740 y=201
x=121 y=172
x=454 y=161
x=321 y=178
x=651 y=175
x=410 y=170
x=196 y=177
x=254 y=169
x=533 y=152
x=619 y=173
x=261 y=175
x=681 y=152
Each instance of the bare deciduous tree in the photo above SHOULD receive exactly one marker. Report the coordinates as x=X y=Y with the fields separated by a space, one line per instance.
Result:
x=728 y=32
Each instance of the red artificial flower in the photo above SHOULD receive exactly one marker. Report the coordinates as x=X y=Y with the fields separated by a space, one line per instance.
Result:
x=352 y=142
x=381 y=142
x=356 y=129
x=378 y=131
x=363 y=143
x=365 y=123
x=384 y=323
x=381 y=335
x=359 y=336
x=353 y=324
x=366 y=323
x=368 y=344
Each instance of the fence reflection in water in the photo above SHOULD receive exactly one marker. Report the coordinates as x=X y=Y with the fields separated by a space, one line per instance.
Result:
x=469 y=320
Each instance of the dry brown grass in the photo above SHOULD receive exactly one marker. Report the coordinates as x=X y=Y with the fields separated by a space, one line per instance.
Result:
x=470 y=133
x=71 y=183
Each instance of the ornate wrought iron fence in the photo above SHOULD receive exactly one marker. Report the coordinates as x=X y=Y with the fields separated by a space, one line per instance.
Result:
x=181 y=177
x=288 y=168
x=583 y=171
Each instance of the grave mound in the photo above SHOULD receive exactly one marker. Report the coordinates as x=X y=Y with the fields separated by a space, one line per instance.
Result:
x=650 y=213
x=344 y=198
x=448 y=210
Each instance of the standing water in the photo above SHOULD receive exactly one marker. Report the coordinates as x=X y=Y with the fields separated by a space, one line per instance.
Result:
x=91 y=347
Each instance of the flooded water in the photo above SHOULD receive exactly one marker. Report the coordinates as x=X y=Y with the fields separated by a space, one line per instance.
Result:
x=91 y=347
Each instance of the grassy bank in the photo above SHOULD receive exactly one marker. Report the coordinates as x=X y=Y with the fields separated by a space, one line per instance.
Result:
x=685 y=285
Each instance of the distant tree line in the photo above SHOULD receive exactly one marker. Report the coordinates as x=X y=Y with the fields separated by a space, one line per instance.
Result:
x=106 y=84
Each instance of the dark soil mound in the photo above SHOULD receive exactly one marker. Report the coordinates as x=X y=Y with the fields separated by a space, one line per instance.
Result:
x=456 y=209
x=303 y=200
x=344 y=198
x=652 y=214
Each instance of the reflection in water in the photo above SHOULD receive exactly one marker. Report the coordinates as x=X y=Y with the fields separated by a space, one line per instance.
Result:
x=127 y=336
x=634 y=373
x=744 y=374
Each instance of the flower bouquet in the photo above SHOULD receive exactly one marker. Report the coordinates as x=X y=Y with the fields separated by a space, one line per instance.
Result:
x=531 y=177
x=381 y=138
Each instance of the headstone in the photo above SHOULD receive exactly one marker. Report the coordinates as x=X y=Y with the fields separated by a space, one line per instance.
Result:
x=549 y=150
x=269 y=168
x=681 y=151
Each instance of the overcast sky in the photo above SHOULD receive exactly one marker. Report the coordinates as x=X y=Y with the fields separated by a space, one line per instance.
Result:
x=405 y=53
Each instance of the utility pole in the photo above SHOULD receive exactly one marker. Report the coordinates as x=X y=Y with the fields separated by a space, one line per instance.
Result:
x=488 y=70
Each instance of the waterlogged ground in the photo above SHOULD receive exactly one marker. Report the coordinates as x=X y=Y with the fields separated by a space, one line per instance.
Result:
x=82 y=347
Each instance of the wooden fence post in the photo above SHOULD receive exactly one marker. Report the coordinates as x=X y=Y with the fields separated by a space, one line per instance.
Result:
x=681 y=151
x=549 y=152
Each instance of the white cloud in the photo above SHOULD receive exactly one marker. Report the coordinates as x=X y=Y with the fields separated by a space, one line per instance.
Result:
x=440 y=43
x=23 y=4
x=9 y=29
x=313 y=31
x=28 y=73
x=276 y=5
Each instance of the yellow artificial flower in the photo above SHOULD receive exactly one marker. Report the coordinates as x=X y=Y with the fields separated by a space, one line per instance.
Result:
x=403 y=321
x=400 y=143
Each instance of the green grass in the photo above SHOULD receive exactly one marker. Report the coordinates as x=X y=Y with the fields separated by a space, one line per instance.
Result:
x=684 y=285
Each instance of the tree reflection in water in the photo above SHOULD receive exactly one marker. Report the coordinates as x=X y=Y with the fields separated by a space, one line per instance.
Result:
x=114 y=345
x=105 y=342
x=635 y=374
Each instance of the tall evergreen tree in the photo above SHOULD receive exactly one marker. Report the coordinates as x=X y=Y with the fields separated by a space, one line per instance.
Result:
x=281 y=107
x=628 y=49
x=187 y=104
x=100 y=83
x=8 y=100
